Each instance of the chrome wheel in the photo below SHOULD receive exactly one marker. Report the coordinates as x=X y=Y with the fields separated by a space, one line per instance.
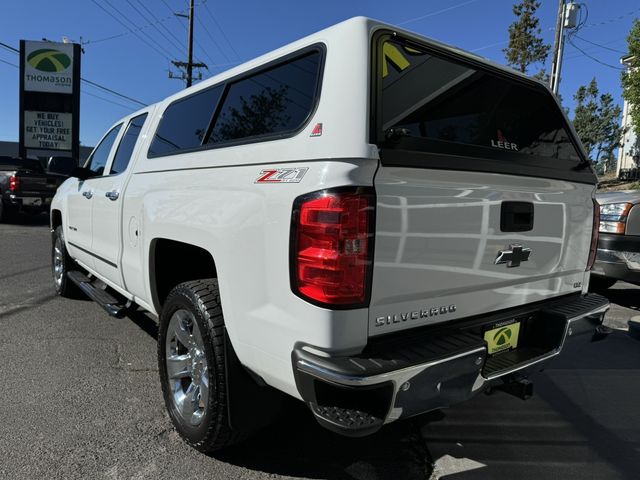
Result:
x=58 y=263
x=187 y=369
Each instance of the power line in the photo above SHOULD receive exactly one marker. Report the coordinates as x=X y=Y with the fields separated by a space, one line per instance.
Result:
x=84 y=92
x=97 y=85
x=117 y=10
x=159 y=22
x=154 y=25
x=204 y=27
x=590 y=49
x=113 y=92
x=599 y=45
x=9 y=63
x=592 y=57
x=9 y=47
x=224 y=35
x=142 y=39
x=438 y=12
x=613 y=19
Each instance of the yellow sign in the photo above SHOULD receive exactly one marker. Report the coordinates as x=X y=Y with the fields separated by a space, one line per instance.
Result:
x=392 y=54
x=502 y=338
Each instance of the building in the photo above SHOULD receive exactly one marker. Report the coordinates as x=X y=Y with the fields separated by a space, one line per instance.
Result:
x=10 y=149
x=629 y=152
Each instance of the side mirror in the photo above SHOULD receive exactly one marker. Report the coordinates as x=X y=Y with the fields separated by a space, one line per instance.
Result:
x=61 y=165
x=82 y=173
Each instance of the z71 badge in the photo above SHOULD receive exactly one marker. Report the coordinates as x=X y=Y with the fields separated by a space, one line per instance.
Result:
x=282 y=175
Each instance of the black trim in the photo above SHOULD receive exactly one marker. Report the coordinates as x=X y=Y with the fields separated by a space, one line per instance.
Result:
x=516 y=216
x=22 y=150
x=625 y=243
x=93 y=255
x=126 y=130
x=293 y=244
x=454 y=159
x=467 y=157
x=317 y=47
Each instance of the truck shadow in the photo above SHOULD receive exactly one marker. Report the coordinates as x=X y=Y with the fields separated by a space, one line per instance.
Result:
x=625 y=297
x=580 y=423
x=26 y=220
x=297 y=446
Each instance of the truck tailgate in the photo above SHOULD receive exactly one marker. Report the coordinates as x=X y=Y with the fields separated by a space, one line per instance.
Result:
x=438 y=236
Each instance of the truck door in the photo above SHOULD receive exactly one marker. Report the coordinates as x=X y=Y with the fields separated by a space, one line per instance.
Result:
x=80 y=200
x=107 y=204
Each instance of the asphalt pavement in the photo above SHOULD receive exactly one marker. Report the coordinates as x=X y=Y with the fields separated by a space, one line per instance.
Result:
x=80 y=398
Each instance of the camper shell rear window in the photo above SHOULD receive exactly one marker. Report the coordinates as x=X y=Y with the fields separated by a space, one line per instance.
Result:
x=463 y=114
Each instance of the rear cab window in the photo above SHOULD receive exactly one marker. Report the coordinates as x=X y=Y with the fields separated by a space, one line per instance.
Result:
x=437 y=110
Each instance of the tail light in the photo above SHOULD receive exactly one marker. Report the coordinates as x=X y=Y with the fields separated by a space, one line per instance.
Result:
x=14 y=183
x=332 y=246
x=595 y=229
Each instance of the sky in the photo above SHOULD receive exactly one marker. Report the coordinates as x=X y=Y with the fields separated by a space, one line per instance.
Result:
x=229 y=33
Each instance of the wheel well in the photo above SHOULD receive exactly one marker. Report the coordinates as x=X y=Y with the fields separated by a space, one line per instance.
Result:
x=56 y=219
x=172 y=262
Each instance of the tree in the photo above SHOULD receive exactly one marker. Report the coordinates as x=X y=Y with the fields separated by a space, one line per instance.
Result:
x=261 y=113
x=631 y=78
x=597 y=122
x=526 y=46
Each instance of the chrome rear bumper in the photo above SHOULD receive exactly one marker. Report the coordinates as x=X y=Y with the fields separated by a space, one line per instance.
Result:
x=356 y=395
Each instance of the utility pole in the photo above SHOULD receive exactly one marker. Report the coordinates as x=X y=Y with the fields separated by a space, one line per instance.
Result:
x=557 y=49
x=189 y=65
x=567 y=19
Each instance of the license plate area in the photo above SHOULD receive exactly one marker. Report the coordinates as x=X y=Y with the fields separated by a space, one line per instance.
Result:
x=515 y=341
x=502 y=337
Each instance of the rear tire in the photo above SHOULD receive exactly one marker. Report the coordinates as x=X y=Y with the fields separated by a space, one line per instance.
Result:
x=61 y=264
x=191 y=360
x=598 y=283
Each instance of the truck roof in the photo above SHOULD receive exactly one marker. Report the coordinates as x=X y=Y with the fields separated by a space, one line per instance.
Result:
x=355 y=27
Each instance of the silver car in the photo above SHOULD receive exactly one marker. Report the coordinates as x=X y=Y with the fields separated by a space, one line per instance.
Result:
x=618 y=255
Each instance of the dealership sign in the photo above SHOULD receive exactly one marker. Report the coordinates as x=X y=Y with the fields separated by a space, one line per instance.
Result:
x=48 y=130
x=49 y=98
x=48 y=68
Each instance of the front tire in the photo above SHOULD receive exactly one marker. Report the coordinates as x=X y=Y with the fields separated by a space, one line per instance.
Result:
x=61 y=264
x=191 y=360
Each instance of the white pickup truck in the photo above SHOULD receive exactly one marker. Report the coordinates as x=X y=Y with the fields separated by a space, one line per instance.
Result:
x=367 y=220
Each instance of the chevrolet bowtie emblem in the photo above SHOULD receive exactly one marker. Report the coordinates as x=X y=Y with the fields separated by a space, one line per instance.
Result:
x=514 y=256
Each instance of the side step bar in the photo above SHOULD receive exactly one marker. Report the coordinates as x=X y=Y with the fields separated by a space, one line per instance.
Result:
x=109 y=303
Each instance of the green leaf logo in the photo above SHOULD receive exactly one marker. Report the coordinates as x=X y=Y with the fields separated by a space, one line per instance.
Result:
x=49 y=60
x=502 y=336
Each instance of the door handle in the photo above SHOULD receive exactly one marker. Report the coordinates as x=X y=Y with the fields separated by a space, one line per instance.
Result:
x=112 y=195
x=87 y=194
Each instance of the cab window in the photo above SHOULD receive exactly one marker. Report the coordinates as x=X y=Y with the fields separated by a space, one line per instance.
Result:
x=127 y=144
x=98 y=158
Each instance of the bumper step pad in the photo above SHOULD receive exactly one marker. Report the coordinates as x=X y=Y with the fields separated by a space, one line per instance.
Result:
x=347 y=418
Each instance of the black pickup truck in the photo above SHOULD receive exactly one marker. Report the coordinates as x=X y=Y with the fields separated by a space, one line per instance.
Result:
x=24 y=186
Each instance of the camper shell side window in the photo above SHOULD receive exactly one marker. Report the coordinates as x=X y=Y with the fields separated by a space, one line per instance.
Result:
x=270 y=102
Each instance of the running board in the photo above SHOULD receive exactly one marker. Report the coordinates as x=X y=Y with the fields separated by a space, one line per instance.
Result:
x=109 y=303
